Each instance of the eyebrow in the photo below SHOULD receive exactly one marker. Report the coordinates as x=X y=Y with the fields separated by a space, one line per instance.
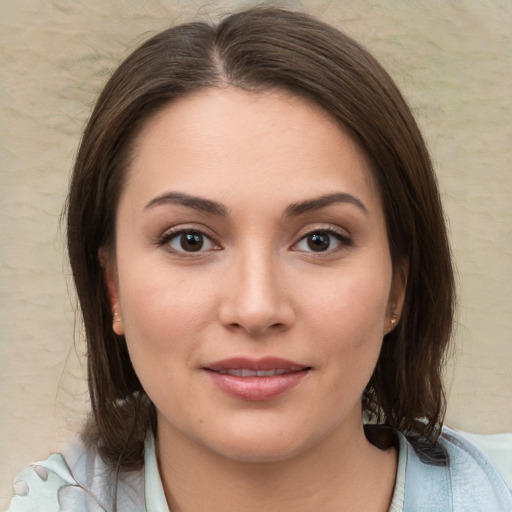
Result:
x=215 y=208
x=195 y=202
x=317 y=203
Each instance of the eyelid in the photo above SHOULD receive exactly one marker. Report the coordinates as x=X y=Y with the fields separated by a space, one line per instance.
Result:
x=341 y=235
x=175 y=231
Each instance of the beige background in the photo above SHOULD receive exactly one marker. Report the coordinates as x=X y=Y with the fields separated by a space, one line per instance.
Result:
x=453 y=61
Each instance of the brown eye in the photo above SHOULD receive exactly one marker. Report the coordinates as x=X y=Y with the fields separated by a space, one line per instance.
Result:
x=189 y=241
x=318 y=241
x=322 y=241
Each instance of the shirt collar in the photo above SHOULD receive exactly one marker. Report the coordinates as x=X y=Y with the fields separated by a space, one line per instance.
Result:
x=155 y=496
x=153 y=488
x=397 y=503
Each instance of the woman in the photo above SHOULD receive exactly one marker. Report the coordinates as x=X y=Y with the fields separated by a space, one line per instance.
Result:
x=261 y=260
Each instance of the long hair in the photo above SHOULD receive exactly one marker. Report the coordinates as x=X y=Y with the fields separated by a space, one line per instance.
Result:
x=264 y=49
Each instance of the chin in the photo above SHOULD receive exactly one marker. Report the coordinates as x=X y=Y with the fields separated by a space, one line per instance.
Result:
x=259 y=454
x=262 y=447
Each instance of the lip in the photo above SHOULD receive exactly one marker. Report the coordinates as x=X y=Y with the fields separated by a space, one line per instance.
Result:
x=288 y=374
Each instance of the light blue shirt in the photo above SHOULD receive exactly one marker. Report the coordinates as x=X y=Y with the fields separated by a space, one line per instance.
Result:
x=81 y=482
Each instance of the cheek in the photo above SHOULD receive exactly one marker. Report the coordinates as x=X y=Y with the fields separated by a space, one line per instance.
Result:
x=347 y=318
x=163 y=330
x=163 y=312
x=357 y=302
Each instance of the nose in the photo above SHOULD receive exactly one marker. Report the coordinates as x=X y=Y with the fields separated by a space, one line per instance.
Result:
x=256 y=300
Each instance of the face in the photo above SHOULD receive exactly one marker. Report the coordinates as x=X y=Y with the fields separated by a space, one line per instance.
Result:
x=252 y=274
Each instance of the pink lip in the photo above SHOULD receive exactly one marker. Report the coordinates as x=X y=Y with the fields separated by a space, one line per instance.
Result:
x=256 y=388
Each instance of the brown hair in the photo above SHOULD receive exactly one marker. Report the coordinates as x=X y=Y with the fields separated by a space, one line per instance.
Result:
x=260 y=49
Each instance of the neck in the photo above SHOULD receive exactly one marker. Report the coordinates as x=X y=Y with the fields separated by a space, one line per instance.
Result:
x=341 y=473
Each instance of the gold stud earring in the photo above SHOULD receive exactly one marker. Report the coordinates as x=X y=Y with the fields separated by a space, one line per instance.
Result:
x=117 y=324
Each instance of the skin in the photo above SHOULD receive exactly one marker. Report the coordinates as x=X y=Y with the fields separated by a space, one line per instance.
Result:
x=255 y=289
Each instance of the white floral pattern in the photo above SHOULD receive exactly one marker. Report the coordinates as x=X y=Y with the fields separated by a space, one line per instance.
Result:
x=49 y=486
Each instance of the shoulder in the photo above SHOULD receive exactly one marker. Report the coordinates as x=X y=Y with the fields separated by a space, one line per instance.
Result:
x=473 y=478
x=466 y=481
x=76 y=480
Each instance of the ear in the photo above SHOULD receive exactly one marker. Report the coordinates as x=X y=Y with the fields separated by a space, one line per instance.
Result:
x=396 y=296
x=110 y=274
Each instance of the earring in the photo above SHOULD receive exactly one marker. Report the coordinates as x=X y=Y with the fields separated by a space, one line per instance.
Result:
x=117 y=325
x=393 y=319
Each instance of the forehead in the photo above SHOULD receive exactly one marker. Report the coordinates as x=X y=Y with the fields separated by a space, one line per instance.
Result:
x=229 y=140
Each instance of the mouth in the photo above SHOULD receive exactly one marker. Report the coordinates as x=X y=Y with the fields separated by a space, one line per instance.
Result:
x=256 y=379
x=244 y=372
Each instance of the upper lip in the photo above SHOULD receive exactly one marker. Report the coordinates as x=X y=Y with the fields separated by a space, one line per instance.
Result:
x=262 y=364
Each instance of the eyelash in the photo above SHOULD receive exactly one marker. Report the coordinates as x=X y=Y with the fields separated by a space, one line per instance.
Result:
x=175 y=234
x=343 y=240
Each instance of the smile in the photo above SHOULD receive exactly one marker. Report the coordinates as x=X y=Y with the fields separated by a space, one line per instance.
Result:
x=256 y=379
x=244 y=372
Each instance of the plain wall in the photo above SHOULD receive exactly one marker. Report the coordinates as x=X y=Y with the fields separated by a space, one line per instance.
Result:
x=453 y=61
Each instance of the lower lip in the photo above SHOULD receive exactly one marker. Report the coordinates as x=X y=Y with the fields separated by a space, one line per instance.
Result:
x=257 y=388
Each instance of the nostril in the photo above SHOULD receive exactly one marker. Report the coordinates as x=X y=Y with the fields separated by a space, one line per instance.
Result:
x=255 y=313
